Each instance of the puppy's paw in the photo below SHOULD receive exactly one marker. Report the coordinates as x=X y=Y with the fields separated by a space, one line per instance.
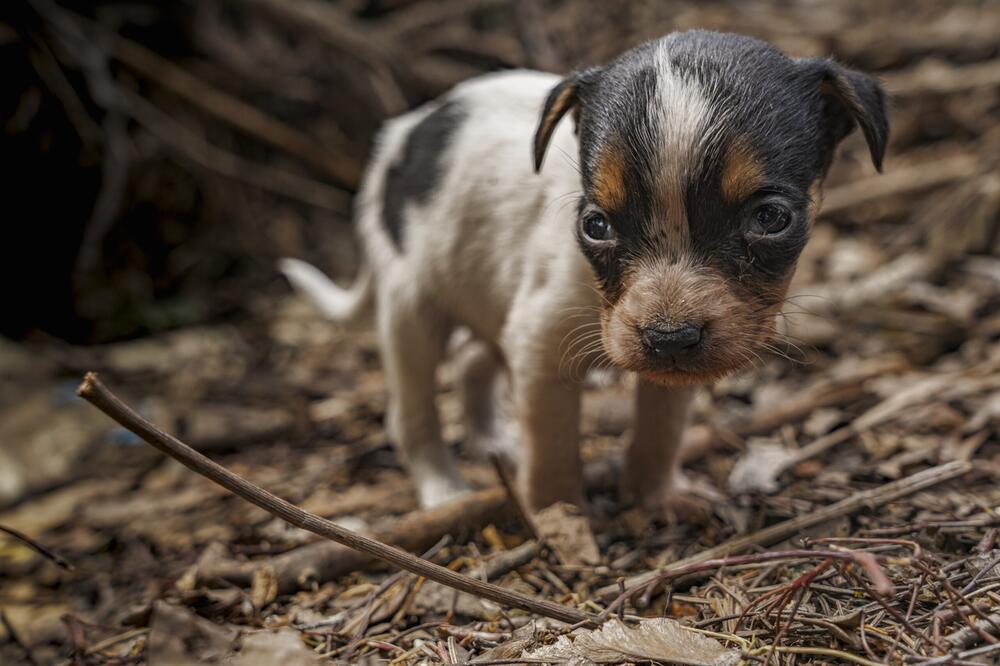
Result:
x=683 y=499
x=440 y=488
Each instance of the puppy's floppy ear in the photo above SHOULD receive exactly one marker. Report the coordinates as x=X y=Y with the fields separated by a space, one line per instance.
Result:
x=562 y=98
x=855 y=98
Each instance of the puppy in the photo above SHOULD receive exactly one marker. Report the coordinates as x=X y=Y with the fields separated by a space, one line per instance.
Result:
x=659 y=237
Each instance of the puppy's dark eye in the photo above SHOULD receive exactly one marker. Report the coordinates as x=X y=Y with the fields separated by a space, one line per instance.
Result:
x=597 y=228
x=769 y=219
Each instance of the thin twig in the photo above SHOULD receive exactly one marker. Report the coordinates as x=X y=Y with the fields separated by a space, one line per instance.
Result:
x=864 y=560
x=250 y=119
x=827 y=652
x=869 y=499
x=37 y=547
x=94 y=391
x=179 y=139
x=217 y=103
x=515 y=499
x=979 y=574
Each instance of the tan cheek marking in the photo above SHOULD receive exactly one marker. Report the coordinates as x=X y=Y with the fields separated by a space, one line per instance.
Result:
x=609 y=180
x=776 y=295
x=742 y=174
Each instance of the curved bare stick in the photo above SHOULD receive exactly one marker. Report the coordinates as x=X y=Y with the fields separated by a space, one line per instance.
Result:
x=37 y=547
x=93 y=391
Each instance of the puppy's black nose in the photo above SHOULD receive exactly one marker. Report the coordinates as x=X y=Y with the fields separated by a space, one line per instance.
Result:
x=664 y=342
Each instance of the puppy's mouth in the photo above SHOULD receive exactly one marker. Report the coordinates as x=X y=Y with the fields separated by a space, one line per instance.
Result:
x=696 y=348
x=717 y=354
x=678 y=323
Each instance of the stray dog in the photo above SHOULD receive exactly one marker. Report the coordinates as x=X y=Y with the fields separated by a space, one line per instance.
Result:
x=659 y=238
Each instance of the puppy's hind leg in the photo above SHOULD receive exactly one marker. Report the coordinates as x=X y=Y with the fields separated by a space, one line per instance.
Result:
x=412 y=336
x=486 y=402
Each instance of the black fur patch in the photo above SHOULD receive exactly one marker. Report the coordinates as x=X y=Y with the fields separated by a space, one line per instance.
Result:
x=760 y=96
x=616 y=118
x=418 y=171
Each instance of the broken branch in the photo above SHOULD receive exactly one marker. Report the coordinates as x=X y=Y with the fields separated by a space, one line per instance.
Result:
x=323 y=561
x=37 y=547
x=94 y=391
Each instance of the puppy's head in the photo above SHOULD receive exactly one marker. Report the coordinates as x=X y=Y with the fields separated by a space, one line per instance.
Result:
x=702 y=156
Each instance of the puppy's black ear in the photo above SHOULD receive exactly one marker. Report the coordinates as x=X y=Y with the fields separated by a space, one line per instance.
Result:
x=561 y=99
x=854 y=98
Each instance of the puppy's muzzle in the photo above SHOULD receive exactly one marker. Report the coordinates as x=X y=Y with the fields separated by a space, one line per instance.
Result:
x=671 y=344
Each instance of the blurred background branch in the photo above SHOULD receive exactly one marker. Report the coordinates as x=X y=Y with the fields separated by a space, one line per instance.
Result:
x=188 y=144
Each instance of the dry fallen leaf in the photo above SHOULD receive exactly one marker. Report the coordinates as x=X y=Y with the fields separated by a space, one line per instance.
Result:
x=268 y=648
x=661 y=640
x=758 y=469
x=521 y=640
x=178 y=637
x=264 y=586
x=36 y=623
x=567 y=531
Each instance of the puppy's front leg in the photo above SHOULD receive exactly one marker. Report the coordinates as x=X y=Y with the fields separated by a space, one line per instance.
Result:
x=652 y=464
x=549 y=413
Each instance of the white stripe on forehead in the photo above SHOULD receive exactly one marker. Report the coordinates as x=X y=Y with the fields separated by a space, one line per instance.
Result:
x=680 y=114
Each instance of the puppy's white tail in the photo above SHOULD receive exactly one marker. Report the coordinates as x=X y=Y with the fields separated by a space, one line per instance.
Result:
x=337 y=303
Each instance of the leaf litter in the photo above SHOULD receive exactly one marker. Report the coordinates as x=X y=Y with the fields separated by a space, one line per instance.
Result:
x=889 y=366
